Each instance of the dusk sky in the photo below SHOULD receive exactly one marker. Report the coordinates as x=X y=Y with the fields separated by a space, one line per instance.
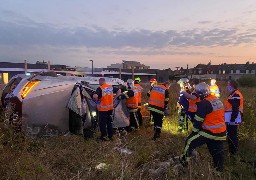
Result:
x=162 y=33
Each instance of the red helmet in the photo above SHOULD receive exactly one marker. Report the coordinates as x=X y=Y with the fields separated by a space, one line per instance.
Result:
x=152 y=80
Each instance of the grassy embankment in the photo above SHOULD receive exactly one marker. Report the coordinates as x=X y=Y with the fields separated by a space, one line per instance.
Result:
x=72 y=157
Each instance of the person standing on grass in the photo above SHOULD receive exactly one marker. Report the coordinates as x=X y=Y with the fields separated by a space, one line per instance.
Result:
x=193 y=99
x=158 y=102
x=234 y=106
x=140 y=89
x=104 y=99
x=152 y=82
x=208 y=128
x=131 y=96
x=183 y=105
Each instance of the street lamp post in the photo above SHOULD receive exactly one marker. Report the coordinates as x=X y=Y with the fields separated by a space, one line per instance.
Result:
x=92 y=66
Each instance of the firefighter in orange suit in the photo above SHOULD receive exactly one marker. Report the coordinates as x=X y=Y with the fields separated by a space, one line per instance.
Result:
x=233 y=115
x=158 y=101
x=152 y=82
x=132 y=103
x=140 y=89
x=193 y=99
x=104 y=98
x=208 y=127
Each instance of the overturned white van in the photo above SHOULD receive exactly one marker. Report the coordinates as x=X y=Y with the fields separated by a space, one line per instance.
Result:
x=49 y=106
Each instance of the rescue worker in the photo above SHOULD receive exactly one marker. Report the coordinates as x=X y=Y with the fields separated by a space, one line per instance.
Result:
x=153 y=82
x=104 y=98
x=214 y=88
x=208 y=127
x=140 y=89
x=193 y=98
x=233 y=113
x=183 y=104
x=131 y=96
x=158 y=102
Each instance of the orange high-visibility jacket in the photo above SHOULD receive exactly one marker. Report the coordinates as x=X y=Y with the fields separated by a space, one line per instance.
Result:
x=132 y=102
x=139 y=88
x=214 y=122
x=106 y=101
x=157 y=96
x=192 y=104
x=228 y=106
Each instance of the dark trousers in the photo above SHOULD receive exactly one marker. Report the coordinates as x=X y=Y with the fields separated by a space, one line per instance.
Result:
x=183 y=120
x=215 y=148
x=105 y=123
x=158 y=119
x=232 y=138
x=134 y=122
x=191 y=116
x=139 y=116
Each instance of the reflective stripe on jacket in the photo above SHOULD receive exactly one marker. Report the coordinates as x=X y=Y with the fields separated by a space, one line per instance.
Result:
x=192 y=104
x=157 y=96
x=106 y=101
x=228 y=106
x=132 y=102
x=214 y=121
x=139 y=88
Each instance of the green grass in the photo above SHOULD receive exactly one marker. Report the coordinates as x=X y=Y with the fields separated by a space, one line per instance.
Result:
x=73 y=157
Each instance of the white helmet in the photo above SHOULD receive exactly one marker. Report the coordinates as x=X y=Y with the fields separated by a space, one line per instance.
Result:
x=213 y=82
x=184 y=83
x=202 y=89
x=130 y=83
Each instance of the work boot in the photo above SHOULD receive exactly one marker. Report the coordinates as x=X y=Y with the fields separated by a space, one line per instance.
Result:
x=102 y=138
x=123 y=132
x=157 y=133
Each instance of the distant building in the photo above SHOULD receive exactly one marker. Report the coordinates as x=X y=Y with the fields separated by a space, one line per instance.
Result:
x=204 y=71
x=8 y=69
x=128 y=65
x=223 y=71
x=135 y=64
x=117 y=66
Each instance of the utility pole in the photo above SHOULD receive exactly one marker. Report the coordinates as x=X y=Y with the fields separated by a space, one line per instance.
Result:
x=120 y=73
x=49 y=65
x=92 y=65
x=132 y=71
x=26 y=66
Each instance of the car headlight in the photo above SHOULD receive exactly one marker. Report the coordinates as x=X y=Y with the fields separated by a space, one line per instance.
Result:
x=94 y=114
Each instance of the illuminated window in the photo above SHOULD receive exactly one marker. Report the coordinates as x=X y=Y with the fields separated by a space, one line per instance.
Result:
x=5 y=78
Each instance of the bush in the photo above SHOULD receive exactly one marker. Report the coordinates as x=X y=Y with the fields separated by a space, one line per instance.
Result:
x=247 y=81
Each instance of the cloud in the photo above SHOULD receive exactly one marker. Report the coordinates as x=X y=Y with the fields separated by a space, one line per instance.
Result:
x=148 y=52
x=205 y=22
x=29 y=33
